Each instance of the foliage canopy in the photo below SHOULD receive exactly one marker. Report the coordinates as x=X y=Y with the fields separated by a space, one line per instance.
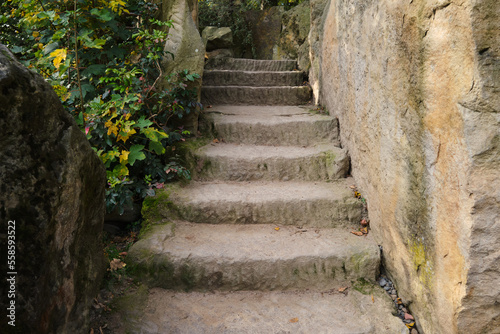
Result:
x=103 y=59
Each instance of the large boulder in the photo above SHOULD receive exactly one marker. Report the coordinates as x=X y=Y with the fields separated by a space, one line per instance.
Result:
x=293 y=41
x=217 y=38
x=416 y=88
x=52 y=192
x=185 y=45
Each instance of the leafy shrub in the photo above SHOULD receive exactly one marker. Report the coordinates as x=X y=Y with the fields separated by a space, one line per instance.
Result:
x=103 y=60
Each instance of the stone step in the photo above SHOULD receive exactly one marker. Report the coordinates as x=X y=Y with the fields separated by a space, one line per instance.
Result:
x=316 y=204
x=256 y=312
x=191 y=256
x=270 y=125
x=247 y=95
x=248 y=78
x=239 y=64
x=232 y=162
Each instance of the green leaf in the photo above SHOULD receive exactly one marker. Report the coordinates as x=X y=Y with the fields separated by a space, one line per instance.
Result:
x=136 y=154
x=157 y=147
x=95 y=69
x=143 y=122
x=103 y=14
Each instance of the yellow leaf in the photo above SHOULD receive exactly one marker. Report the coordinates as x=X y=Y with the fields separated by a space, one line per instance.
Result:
x=277 y=228
x=293 y=320
x=124 y=138
x=36 y=34
x=59 y=55
x=124 y=156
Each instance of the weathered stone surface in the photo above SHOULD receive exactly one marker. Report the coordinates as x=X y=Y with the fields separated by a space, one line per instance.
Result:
x=231 y=162
x=266 y=28
x=250 y=312
x=252 y=78
x=186 y=46
x=415 y=85
x=217 y=38
x=293 y=41
x=252 y=257
x=319 y=11
x=219 y=53
x=240 y=95
x=270 y=125
x=284 y=203
x=239 y=64
x=52 y=186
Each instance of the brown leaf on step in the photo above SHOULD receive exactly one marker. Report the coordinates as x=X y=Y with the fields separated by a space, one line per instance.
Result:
x=357 y=233
x=399 y=301
x=410 y=325
x=352 y=187
x=294 y=320
x=364 y=222
x=216 y=140
x=408 y=316
x=277 y=228
x=342 y=289
x=116 y=264
x=364 y=230
x=373 y=299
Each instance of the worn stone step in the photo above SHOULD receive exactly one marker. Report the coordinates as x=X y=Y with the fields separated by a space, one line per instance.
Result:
x=234 y=162
x=252 y=78
x=189 y=256
x=240 y=64
x=247 y=95
x=270 y=125
x=256 y=312
x=317 y=204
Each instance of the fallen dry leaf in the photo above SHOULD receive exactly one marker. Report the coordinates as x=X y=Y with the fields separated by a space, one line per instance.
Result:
x=294 y=320
x=357 y=194
x=342 y=289
x=364 y=230
x=352 y=187
x=399 y=301
x=373 y=299
x=216 y=140
x=364 y=222
x=408 y=316
x=116 y=264
x=123 y=254
x=358 y=233
x=277 y=228
x=410 y=325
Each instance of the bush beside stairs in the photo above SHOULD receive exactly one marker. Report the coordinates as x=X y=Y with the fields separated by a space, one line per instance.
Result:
x=259 y=241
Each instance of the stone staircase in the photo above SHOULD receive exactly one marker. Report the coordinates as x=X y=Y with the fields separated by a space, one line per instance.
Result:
x=253 y=82
x=259 y=241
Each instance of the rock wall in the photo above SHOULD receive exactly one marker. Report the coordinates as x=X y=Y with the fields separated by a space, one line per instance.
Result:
x=185 y=45
x=52 y=186
x=416 y=87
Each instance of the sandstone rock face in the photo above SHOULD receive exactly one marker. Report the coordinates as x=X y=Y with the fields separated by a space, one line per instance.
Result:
x=52 y=185
x=185 y=44
x=416 y=88
x=266 y=28
x=293 y=42
x=217 y=38
x=318 y=11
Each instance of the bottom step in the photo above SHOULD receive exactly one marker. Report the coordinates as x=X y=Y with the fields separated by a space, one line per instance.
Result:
x=331 y=312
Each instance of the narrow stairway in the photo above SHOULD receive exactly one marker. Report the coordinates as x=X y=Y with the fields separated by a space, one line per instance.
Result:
x=259 y=241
